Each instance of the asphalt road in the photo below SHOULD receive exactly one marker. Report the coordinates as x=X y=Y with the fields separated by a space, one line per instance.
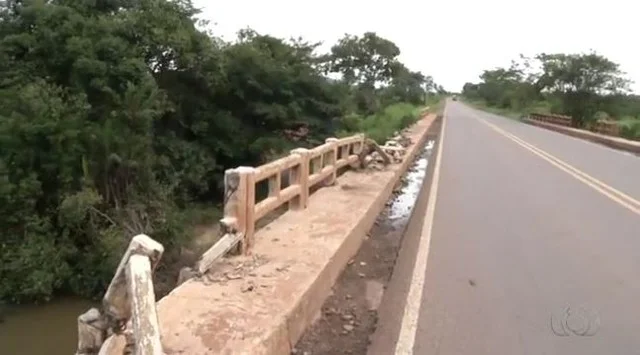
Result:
x=530 y=252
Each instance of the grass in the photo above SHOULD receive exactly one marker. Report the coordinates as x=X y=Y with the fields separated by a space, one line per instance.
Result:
x=629 y=128
x=391 y=119
x=382 y=125
x=436 y=104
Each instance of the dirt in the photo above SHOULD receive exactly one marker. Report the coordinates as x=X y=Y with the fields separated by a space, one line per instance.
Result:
x=349 y=315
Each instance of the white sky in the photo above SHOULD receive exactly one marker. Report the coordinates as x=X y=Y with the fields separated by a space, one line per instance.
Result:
x=452 y=40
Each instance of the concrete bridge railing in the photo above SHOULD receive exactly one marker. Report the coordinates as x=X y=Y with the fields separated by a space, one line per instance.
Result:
x=606 y=127
x=306 y=168
x=603 y=132
x=560 y=120
x=129 y=305
x=303 y=169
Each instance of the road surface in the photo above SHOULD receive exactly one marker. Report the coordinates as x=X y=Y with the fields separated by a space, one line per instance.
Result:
x=534 y=248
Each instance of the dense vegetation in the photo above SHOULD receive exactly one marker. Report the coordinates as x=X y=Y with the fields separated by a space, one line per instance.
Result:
x=117 y=117
x=586 y=87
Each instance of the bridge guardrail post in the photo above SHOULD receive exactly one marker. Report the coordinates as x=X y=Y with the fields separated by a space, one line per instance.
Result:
x=300 y=176
x=144 y=316
x=360 y=147
x=333 y=158
x=130 y=298
x=239 y=201
x=117 y=300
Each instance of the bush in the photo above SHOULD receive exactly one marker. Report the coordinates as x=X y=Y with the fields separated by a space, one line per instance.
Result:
x=630 y=128
x=391 y=119
x=539 y=107
x=117 y=117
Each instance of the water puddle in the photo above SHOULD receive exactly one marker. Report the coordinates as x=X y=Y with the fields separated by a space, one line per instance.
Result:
x=402 y=206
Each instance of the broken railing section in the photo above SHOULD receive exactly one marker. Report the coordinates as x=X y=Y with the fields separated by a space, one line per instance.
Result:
x=392 y=151
x=128 y=307
x=128 y=317
x=305 y=169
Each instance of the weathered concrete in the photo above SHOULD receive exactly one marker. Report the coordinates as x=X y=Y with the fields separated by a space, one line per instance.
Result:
x=261 y=304
x=130 y=300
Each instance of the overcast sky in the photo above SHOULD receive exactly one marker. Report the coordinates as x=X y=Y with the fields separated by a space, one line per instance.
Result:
x=452 y=40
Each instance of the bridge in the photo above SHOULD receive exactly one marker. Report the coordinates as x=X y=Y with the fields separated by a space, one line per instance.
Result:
x=526 y=243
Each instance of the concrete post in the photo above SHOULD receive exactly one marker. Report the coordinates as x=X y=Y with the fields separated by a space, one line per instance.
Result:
x=146 y=329
x=239 y=204
x=116 y=301
x=333 y=157
x=300 y=176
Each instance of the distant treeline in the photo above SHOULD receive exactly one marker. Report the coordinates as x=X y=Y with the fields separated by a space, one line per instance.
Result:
x=586 y=87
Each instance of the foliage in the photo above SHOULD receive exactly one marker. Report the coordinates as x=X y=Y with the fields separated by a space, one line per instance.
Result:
x=630 y=128
x=584 y=86
x=373 y=75
x=382 y=125
x=117 y=117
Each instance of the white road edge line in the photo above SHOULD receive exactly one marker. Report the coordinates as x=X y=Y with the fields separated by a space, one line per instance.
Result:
x=409 y=326
x=576 y=139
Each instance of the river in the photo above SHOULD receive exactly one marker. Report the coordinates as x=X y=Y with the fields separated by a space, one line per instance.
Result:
x=42 y=329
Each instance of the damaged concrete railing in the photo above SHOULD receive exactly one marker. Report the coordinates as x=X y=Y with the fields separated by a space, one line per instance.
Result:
x=128 y=306
x=306 y=168
x=128 y=317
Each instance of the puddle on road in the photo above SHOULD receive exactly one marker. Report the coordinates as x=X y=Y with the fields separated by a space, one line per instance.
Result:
x=402 y=205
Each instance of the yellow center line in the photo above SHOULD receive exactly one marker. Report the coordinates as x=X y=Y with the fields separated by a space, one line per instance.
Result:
x=615 y=195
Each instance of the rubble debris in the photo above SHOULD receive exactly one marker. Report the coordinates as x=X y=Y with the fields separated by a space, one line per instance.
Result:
x=392 y=152
x=248 y=286
x=348 y=327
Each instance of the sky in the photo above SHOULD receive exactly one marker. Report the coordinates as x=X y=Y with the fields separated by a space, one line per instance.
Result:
x=451 y=40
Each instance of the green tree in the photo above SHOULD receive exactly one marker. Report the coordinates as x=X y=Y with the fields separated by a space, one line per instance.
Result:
x=118 y=116
x=580 y=80
x=405 y=86
x=579 y=85
x=366 y=60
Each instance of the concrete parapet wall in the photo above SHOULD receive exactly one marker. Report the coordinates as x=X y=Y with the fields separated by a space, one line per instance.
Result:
x=261 y=303
x=613 y=142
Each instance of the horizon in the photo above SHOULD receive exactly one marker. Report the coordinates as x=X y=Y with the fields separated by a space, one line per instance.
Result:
x=485 y=40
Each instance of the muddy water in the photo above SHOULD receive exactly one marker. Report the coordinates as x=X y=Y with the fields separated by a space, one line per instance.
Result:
x=45 y=329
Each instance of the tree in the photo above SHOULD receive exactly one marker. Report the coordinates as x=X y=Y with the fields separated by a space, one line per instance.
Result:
x=580 y=80
x=405 y=86
x=579 y=85
x=366 y=60
x=117 y=117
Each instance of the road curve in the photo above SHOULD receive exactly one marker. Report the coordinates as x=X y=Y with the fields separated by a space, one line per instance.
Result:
x=534 y=248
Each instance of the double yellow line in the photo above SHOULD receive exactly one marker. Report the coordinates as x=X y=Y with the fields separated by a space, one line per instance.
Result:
x=617 y=196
